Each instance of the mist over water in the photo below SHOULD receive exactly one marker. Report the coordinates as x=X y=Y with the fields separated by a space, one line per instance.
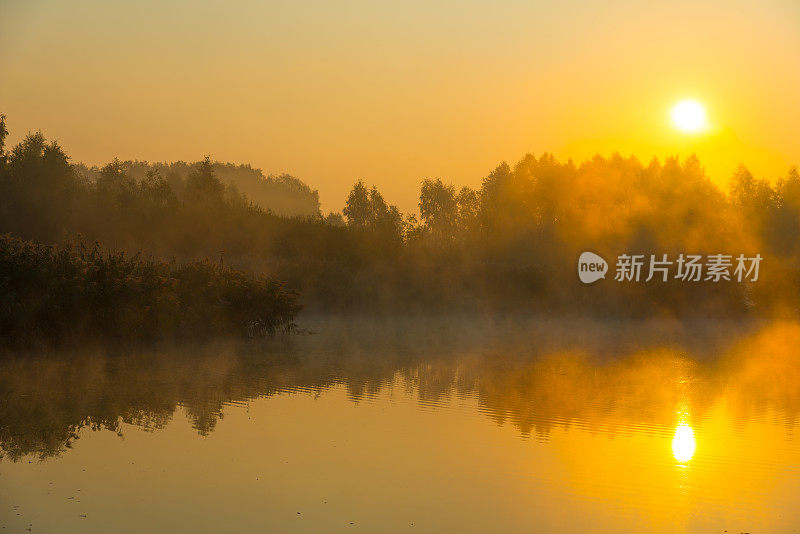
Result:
x=447 y=423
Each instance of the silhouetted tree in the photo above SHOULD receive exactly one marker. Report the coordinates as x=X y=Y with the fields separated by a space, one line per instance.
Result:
x=358 y=208
x=40 y=189
x=202 y=185
x=438 y=208
x=3 y=134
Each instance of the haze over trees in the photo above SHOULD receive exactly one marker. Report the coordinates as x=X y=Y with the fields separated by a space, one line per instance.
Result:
x=511 y=244
x=281 y=194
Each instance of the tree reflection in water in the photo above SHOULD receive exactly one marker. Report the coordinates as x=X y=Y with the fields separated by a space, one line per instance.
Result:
x=536 y=375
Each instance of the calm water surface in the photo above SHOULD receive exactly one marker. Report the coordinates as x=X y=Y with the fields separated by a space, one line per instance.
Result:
x=458 y=425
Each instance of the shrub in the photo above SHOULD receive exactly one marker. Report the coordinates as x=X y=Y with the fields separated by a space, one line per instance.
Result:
x=53 y=295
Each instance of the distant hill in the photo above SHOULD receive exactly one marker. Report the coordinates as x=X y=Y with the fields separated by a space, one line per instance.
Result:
x=281 y=194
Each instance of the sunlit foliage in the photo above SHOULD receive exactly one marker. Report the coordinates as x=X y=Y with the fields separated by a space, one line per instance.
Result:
x=510 y=244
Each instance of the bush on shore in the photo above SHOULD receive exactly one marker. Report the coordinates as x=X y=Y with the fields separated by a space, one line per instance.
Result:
x=57 y=295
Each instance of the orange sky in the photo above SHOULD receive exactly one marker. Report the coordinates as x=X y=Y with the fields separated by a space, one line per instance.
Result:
x=393 y=92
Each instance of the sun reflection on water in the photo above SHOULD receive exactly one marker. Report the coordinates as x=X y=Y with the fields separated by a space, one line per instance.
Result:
x=683 y=443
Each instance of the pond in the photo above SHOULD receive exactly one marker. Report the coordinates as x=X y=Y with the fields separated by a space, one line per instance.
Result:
x=445 y=424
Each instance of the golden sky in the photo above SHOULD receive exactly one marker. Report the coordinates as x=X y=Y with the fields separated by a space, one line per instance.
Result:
x=393 y=92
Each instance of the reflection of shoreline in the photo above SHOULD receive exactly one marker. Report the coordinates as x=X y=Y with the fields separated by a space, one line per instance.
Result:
x=535 y=376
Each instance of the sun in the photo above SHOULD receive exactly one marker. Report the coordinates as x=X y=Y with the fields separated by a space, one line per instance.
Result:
x=689 y=116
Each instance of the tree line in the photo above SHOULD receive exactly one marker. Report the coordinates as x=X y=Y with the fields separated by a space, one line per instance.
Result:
x=510 y=244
